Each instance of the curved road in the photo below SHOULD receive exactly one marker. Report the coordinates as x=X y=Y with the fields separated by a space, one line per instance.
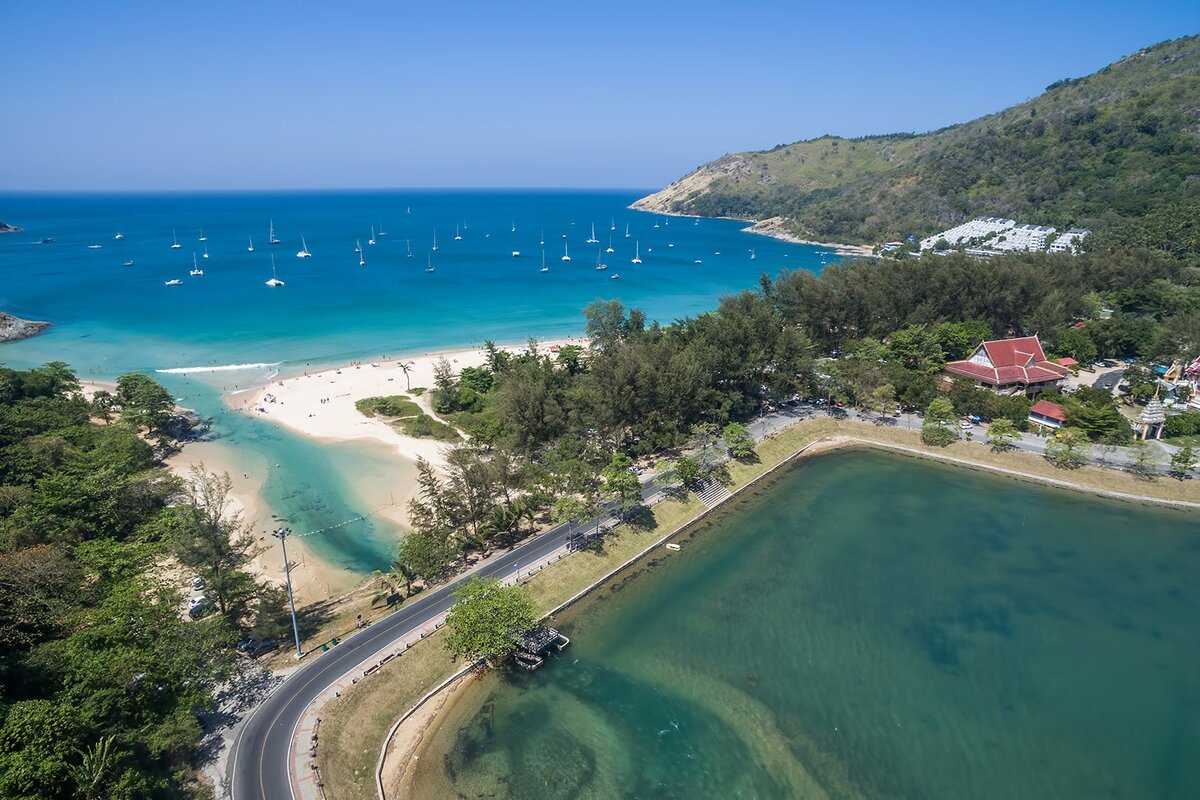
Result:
x=260 y=755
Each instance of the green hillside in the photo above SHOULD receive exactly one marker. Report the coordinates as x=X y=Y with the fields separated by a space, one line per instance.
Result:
x=1094 y=151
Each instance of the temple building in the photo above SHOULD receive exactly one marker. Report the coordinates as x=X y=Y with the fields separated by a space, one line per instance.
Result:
x=1010 y=366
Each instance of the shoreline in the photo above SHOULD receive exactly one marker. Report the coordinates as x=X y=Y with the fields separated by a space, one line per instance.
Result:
x=320 y=404
x=769 y=228
x=412 y=733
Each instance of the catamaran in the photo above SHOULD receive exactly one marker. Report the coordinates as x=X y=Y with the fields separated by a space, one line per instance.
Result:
x=195 y=271
x=637 y=253
x=592 y=239
x=303 y=253
x=250 y=249
x=610 y=247
x=174 y=241
x=457 y=234
x=599 y=265
x=274 y=281
x=429 y=261
x=566 y=255
x=372 y=239
x=271 y=235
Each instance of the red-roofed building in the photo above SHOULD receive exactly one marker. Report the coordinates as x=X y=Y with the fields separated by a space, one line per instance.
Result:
x=1050 y=415
x=1010 y=366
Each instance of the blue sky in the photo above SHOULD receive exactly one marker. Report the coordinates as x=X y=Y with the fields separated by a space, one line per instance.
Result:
x=218 y=95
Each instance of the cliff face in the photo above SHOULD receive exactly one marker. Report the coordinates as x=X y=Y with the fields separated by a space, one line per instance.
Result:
x=1117 y=145
x=14 y=328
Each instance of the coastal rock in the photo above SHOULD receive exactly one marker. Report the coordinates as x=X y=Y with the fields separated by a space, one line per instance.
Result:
x=6 y=228
x=674 y=197
x=14 y=328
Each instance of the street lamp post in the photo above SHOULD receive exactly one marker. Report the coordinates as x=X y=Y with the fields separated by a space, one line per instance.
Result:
x=282 y=535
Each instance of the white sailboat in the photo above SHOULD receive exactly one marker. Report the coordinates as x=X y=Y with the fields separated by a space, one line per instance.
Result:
x=516 y=253
x=382 y=232
x=435 y=240
x=173 y=282
x=457 y=234
x=610 y=247
x=303 y=253
x=203 y=238
x=174 y=241
x=361 y=262
x=408 y=244
x=612 y=224
x=128 y=263
x=752 y=255
x=514 y=226
x=592 y=239
x=119 y=236
x=656 y=223
x=274 y=281
x=429 y=261
x=250 y=249
x=566 y=255
x=626 y=230
x=600 y=265
x=544 y=267
x=195 y=271
x=205 y=251
x=542 y=237
x=372 y=239
x=271 y=234
x=637 y=253
x=615 y=275
x=357 y=246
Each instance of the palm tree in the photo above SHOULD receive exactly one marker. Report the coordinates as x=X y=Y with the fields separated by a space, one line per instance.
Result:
x=406 y=367
x=92 y=773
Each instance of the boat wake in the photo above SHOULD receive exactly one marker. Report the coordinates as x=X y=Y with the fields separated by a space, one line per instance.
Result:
x=217 y=368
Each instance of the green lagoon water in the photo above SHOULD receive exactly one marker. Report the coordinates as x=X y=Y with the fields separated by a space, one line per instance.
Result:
x=866 y=626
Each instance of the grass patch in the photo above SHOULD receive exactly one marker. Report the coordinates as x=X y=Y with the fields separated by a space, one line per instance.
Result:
x=391 y=406
x=426 y=427
x=1185 y=441
x=354 y=725
x=417 y=392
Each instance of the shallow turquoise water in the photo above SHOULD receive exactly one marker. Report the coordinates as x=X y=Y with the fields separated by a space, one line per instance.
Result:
x=868 y=625
x=110 y=319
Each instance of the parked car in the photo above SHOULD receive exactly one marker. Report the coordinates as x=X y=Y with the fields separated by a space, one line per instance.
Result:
x=965 y=424
x=246 y=644
x=198 y=605
x=263 y=647
x=197 y=583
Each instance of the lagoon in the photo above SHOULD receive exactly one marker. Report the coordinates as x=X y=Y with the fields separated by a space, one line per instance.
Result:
x=867 y=625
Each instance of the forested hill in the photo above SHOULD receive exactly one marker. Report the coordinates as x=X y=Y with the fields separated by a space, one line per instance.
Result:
x=1091 y=151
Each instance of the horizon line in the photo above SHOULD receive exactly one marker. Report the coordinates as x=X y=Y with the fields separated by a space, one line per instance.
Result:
x=312 y=190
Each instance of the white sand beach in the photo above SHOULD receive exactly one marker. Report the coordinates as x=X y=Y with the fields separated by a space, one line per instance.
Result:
x=321 y=404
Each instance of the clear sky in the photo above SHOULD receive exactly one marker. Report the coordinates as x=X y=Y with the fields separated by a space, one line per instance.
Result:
x=174 y=95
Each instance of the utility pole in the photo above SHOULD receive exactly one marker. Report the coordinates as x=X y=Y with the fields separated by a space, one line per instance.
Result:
x=282 y=535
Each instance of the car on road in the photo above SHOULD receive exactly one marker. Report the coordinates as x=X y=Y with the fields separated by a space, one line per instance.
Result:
x=965 y=424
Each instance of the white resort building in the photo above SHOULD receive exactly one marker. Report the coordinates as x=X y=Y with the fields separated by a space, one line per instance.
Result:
x=992 y=235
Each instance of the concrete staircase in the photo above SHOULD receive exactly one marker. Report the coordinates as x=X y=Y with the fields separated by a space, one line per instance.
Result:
x=711 y=492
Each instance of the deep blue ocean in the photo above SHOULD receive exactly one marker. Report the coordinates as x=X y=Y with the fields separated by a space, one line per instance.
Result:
x=110 y=318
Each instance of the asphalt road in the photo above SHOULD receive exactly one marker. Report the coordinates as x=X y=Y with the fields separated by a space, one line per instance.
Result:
x=260 y=756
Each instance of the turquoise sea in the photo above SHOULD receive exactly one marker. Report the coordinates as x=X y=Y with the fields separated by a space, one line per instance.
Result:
x=110 y=318
x=871 y=626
